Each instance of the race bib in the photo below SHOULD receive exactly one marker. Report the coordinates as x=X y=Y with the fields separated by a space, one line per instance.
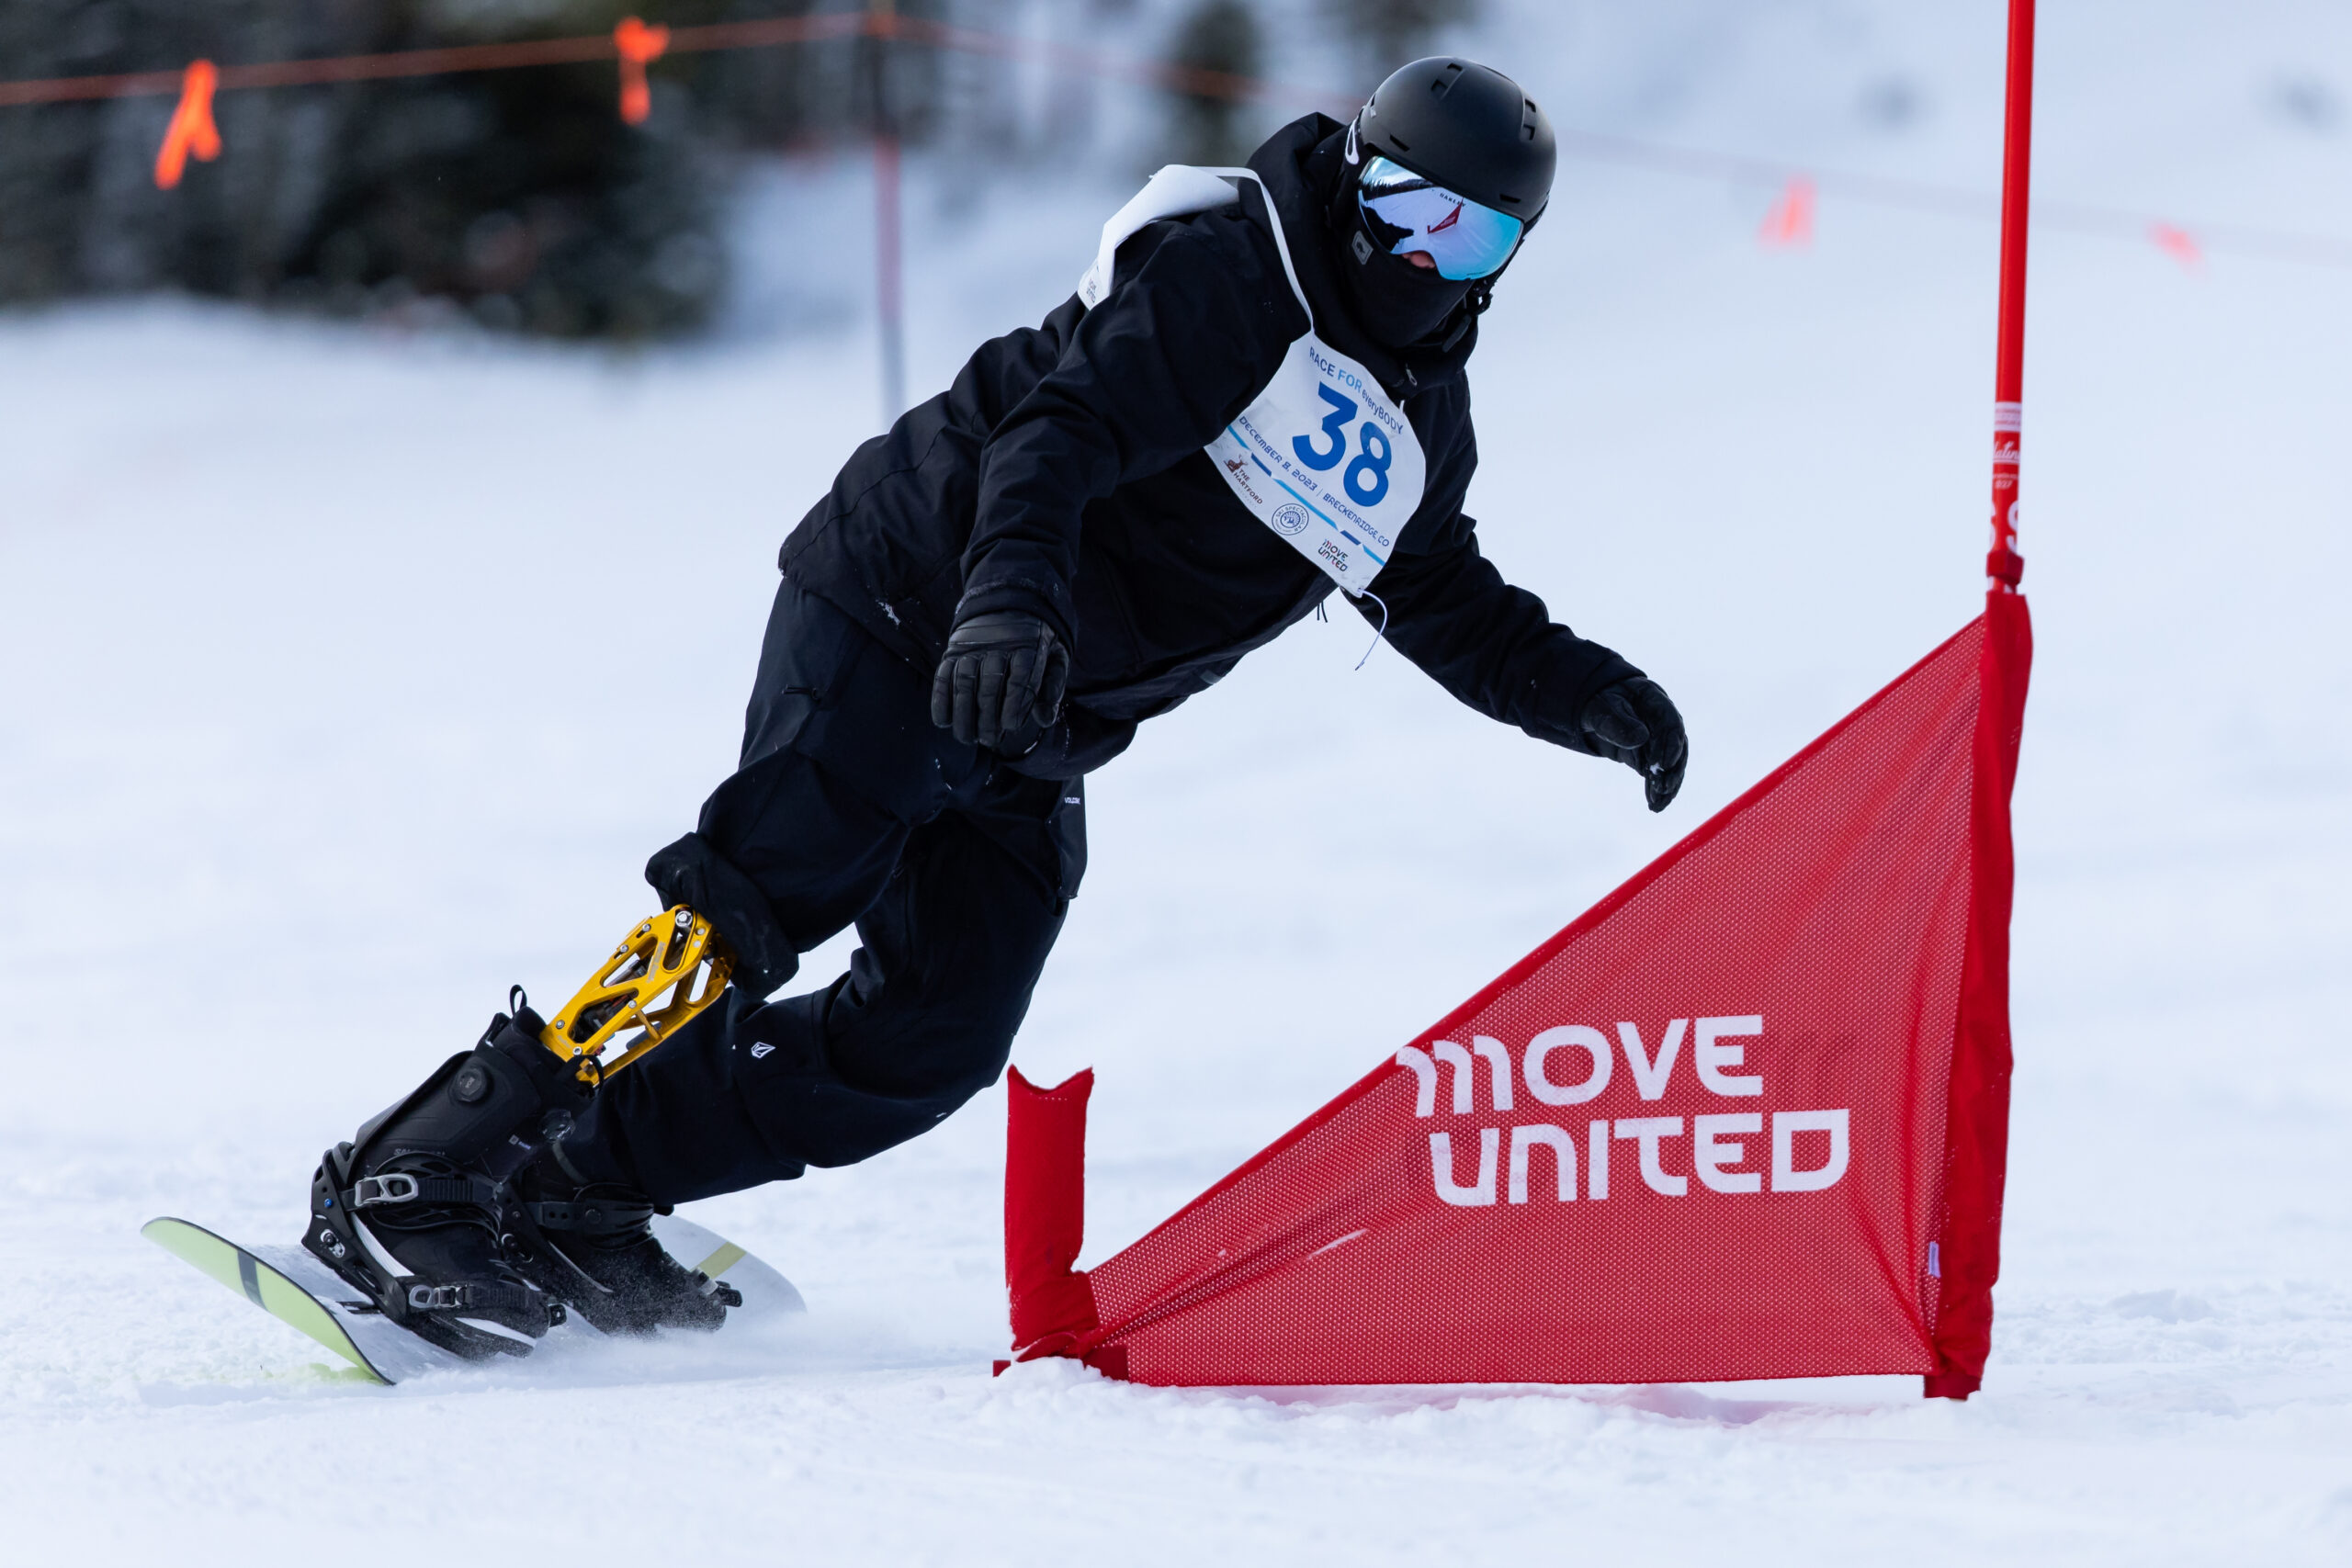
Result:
x=1326 y=460
x=1324 y=456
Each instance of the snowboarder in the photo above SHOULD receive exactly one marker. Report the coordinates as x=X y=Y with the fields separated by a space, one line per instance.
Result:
x=1256 y=396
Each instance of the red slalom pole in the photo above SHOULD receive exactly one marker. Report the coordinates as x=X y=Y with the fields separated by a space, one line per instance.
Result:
x=1965 y=1261
x=2004 y=564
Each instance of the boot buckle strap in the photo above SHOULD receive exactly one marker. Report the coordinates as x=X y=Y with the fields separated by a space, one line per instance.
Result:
x=593 y=1216
x=398 y=1187
x=373 y=1191
x=440 y=1298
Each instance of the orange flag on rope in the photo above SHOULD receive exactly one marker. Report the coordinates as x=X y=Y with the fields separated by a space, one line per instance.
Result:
x=639 y=46
x=1791 y=220
x=192 y=130
x=2177 y=243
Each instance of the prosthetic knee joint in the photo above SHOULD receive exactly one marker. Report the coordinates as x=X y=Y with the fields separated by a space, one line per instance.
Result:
x=662 y=973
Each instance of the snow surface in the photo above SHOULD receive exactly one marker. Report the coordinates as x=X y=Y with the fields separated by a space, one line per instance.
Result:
x=355 y=673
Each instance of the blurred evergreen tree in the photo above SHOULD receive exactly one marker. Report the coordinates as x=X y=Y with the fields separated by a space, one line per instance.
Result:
x=1215 y=35
x=517 y=194
x=1385 y=34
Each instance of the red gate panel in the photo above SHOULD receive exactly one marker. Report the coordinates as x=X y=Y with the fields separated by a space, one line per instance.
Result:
x=1746 y=1118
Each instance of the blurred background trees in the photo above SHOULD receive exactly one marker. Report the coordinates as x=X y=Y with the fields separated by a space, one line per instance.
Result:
x=518 y=198
x=1220 y=36
x=1381 y=35
x=515 y=194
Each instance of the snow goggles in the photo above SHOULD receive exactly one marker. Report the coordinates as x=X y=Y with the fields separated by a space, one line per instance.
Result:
x=1465 y=239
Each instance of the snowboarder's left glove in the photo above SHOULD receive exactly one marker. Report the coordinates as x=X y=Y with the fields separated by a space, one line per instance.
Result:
x=1001 y=681
x=1634 y=722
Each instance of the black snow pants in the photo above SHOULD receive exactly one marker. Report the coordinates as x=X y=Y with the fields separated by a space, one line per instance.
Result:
x=848 y=805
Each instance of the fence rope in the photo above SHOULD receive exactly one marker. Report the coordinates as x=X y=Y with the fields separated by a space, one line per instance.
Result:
x=192 y=132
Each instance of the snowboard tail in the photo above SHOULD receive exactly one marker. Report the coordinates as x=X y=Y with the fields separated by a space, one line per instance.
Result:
x=302 y=1292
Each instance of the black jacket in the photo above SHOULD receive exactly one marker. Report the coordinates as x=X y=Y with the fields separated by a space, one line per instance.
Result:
x=1063 y=474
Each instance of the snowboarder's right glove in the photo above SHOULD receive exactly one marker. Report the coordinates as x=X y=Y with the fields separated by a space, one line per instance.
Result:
x=1001 y=681
x=1634 y=722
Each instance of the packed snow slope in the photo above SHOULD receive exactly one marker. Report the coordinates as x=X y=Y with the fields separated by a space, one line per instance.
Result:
x=353 y=674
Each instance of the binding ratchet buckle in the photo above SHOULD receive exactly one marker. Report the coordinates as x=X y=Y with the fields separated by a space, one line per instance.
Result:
x=440 y=1298
x=396 y=1186
x=673 y=959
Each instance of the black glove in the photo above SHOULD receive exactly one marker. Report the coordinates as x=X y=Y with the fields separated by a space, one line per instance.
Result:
x=1634 y=722
x=1001 y=681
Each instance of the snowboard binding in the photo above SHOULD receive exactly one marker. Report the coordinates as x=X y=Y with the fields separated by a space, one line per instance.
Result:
x=414 y=1210
x=420 y=1210
x=591 y=1245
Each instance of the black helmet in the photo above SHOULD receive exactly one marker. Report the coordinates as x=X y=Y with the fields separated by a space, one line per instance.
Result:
x=1467 y=126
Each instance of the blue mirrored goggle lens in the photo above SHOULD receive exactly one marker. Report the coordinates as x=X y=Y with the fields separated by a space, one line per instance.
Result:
x=1465 y=239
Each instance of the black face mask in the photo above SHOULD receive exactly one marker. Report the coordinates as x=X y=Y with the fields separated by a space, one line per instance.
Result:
x=1395 y=303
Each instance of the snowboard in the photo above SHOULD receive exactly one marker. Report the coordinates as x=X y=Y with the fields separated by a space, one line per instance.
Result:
x=297 y=1289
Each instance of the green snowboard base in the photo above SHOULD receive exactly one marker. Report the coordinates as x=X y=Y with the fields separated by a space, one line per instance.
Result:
x=297 y=1289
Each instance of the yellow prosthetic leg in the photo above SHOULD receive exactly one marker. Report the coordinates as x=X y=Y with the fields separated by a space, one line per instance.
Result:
x=661 y=976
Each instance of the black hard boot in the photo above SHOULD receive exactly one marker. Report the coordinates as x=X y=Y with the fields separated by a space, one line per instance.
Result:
x=591 y=1246
x=418 y=1210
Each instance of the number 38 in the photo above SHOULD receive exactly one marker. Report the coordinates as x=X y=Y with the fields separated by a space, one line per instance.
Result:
x=1366 y=478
